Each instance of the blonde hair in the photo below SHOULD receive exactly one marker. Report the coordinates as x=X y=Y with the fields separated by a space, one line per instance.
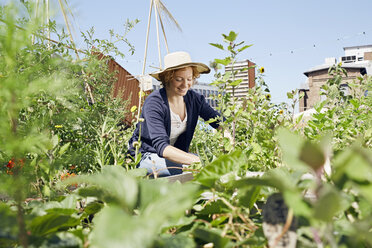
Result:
x=167 y=76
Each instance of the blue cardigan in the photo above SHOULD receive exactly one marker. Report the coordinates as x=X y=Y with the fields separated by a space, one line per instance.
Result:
x=156 y=128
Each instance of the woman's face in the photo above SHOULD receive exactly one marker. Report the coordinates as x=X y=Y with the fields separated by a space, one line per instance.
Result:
x=181 y=82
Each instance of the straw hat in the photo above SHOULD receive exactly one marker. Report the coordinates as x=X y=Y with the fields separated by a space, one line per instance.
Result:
x=178 y=60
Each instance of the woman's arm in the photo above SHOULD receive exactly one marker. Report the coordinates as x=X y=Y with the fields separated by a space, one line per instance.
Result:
x=176 y=155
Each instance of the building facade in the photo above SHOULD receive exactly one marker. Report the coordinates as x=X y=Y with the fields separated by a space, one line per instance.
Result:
x=245 y=70
x=208 y=91
x=357 y=61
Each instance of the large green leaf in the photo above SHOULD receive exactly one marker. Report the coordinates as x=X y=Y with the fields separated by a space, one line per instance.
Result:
x=52 y=222
x=328 y=204
x=248 y=196
x=8 y=223
x=116 y=184
x=115 y=228
x=354 y=163
x=159 y=198
x=160 y=204
x=291 y=145
x=227 y=164
x=312 y=155
x=278 y=178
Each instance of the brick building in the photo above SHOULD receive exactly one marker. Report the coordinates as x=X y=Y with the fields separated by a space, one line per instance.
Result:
x=357 y=61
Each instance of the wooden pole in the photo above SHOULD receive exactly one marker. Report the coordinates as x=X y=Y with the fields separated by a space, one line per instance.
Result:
x=47 y=17
x=165 y=37
x=147 y=38
x=157 y=35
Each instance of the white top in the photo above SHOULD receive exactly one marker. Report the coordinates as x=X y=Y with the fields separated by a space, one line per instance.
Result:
x=177 y=127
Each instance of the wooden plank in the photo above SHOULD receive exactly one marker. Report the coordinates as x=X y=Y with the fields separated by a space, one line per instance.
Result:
x=182 y=178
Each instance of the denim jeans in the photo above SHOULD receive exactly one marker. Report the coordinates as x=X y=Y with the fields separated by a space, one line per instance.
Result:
x=163 y=167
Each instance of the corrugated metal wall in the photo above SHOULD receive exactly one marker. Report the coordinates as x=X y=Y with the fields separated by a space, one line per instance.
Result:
x=127 y=87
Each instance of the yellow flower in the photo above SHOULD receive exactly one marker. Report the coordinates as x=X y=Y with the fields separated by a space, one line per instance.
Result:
x=141 y=94
x=141 y=120
x=340 y=64
x=281 y=111
x=58 y=126
x=268 y=96
x=261 y=69
x=133 y=108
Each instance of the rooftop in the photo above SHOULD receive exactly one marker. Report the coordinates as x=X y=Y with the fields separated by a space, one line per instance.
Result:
x=353 y=47
x=327 y=66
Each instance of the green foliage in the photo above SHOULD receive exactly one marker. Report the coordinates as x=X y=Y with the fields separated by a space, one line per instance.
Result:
x=134 y=213
x=59 y=122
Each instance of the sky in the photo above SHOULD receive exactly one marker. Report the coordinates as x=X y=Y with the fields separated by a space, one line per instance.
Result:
x=289 y=36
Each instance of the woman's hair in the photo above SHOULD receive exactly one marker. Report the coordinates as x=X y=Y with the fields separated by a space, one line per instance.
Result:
x=167 y=76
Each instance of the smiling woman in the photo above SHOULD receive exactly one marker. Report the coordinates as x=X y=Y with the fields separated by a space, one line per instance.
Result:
x=170 y=116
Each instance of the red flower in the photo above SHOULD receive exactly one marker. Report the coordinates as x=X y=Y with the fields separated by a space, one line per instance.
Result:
x=13 y=164
x=10 y=164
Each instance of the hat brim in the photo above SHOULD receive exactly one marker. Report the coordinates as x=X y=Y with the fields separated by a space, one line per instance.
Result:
x=202 y=68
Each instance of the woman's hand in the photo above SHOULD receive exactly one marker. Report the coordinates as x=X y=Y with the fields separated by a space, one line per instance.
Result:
x=176 y=155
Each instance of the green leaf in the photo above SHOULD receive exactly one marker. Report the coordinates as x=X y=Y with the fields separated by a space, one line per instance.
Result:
x=64 y=148
x=223 y=165
x=328 y=204
x=211 y=236
x=319 y=106
x=63 y=211
x=93 y=207
x=219 y=220
x=157 y=195
x=290 y=95
x=312 y=155
x=113 y=227
x=278 y=178
x=224 y=62
x=138 y=172
x=8 y=223
x=347 y=161
x=291 y=145
x=214 y=207
x=50 y=223
x=219 y=46
x=231 y=37
x=295 y=201
x=243 y=48
x=116 y=184
x=248 y=196
x=236 y=82
x=366 y=191
x=175 y=241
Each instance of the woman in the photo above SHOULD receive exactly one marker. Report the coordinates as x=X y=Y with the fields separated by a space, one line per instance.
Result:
x=170 y=117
